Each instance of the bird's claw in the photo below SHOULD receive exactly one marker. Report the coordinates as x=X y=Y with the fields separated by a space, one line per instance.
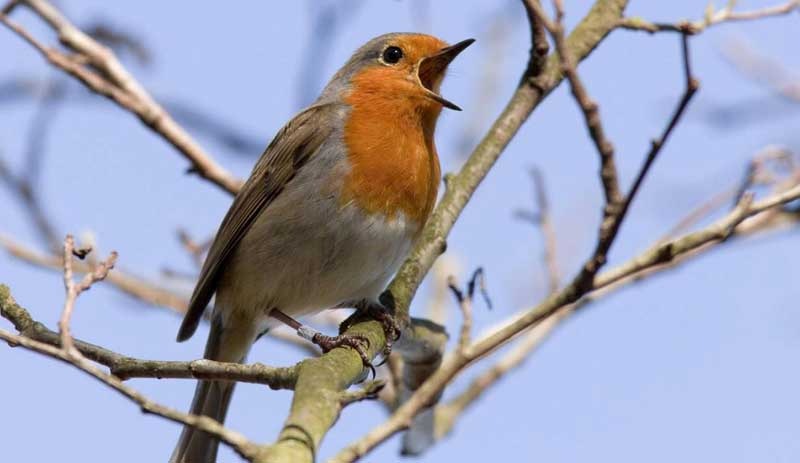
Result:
x=357 y=342
x=390 y=328
x=382 y=315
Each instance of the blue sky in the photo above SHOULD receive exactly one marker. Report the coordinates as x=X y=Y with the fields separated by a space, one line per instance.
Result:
x=698 y=364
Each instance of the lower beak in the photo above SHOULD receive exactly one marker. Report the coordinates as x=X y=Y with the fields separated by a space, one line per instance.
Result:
x=432 y=67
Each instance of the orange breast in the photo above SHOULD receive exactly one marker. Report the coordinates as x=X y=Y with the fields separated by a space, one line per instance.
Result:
x=389 y=137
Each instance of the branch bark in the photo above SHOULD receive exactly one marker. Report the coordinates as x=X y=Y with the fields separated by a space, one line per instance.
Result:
x=124 y=367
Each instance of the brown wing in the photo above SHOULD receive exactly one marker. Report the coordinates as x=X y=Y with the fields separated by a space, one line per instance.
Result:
x=288 y=152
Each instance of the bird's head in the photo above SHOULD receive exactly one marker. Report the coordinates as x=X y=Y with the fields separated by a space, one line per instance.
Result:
x=400 y=67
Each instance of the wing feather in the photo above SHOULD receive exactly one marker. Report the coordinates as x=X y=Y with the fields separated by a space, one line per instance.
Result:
x=288 y=152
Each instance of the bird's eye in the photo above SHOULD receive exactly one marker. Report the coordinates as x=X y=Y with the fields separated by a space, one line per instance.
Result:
x=392 y=55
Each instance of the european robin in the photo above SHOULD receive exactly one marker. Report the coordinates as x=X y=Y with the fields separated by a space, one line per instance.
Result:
x=328 y=214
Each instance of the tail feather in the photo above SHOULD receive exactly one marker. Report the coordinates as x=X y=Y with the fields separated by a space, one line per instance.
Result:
x=211 y=398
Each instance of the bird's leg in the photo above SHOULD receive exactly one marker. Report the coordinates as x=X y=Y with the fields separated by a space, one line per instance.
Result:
x=357 y=342
x=382 y=312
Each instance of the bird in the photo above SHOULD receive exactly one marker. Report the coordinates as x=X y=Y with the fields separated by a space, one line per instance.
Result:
x=328 y=214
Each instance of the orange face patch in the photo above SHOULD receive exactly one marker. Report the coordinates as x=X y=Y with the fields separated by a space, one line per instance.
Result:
x=389 y=137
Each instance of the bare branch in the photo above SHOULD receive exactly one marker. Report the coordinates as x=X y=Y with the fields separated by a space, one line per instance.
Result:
x=74 y=290
x=550 y=254
x=141 y=289
x=611 y=224
x=124 y=367
x=129 y=284
x=539 y=46
x=447 y=414
x=589 y=108
x=114 y=82
x=711 y=18
x=196 y=249
x=238 y=442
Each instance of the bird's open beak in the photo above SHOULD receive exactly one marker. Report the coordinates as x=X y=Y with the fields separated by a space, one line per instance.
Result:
x=430 y=70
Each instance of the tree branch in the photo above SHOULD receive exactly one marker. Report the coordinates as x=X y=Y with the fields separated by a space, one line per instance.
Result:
x=589 y=108
x=106 y=76
x=711 y=18
x=238 y=442
x=447 y=414
x=74 y=290
x=609 y=228
x=124 y=367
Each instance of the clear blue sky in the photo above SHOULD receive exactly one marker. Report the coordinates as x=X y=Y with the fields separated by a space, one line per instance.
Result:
x=696 y=365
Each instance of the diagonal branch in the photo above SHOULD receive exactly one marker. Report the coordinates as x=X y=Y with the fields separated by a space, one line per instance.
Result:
x=589 y=108
x=97 y=68
x=610 y=226
x=238 y=442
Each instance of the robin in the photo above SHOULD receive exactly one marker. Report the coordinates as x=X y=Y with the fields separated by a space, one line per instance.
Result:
x=328 y=214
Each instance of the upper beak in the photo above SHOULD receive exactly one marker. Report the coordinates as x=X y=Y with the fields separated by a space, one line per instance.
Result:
x=431 y=67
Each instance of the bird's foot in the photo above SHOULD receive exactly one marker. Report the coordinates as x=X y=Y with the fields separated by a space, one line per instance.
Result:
x=383 y=315
x=357 y=342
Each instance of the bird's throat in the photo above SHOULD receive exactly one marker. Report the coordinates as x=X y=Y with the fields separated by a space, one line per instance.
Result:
x=390 y=145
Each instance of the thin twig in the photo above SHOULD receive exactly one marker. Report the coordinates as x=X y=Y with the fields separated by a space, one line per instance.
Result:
x=711 y=18
x=447 y=414
x=589 y=107
x=465 y=304
x=550 y=253
x=74 y=290
x=539 y=46
x=610 y=226
x=465 y=299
